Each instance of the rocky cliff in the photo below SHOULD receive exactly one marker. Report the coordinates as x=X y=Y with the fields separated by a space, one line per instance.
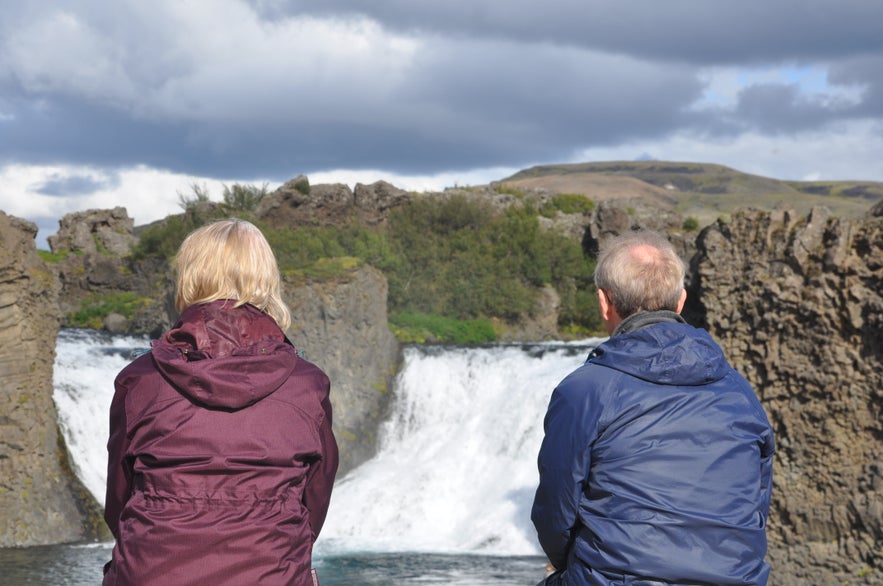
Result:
x=341 y=326
x=41 y=501
x=797 y=305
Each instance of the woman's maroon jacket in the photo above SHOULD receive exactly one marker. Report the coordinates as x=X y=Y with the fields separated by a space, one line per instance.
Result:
x=221 y=457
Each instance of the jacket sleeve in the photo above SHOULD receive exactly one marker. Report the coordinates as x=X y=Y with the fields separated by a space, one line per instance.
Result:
x=564 y=461
x=119 y=468
x=320 y=480
x=767 y=450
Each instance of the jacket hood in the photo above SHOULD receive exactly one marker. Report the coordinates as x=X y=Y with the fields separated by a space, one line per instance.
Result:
x=666 y=353
x=224 y=357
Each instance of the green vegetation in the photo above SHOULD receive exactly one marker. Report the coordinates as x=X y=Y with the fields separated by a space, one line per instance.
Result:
x=303 y=186
x=460 y=259
x=691 y=224
x=53 y=257
x=452 y=264
x=504 y=189
x=198 y=194
x=324 y=269
x=244 y=197
x=420 y=328
x=567 y=203
x=163 y=239
x=94 y=310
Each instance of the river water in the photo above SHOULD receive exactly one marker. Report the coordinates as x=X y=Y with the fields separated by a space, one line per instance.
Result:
x=445 y=501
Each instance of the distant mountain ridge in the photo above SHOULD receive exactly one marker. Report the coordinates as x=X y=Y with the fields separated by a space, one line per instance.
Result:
x=702 y=190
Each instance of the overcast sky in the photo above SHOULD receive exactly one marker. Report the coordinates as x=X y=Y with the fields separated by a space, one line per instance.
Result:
x=131 y=102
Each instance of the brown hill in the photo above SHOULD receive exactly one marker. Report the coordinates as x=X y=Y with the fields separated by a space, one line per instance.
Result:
x=704 y=191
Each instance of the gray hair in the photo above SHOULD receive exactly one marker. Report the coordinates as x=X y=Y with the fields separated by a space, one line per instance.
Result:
x=640 y=271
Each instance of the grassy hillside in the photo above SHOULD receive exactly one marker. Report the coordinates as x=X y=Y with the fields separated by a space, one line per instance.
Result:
x=701 y=190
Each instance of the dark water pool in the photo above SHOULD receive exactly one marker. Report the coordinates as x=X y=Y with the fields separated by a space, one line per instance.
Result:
x=80 y=565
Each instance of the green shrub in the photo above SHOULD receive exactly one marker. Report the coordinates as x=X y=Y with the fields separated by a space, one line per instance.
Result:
x=567 y=203
x=198 y=194
x=691 y=224
x=303 y=186
x=241 y=197
x=163 y=239
x=462 y=260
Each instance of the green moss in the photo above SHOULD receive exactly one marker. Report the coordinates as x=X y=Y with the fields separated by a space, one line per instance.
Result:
x=324 y=269
x=53 y=257
x=421 y=328
x=94 y=310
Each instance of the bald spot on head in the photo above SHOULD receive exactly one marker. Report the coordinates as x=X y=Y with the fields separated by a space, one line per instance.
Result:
x=646 y=254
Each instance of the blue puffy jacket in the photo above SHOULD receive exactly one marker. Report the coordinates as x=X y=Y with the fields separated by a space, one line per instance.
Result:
x=656 y=467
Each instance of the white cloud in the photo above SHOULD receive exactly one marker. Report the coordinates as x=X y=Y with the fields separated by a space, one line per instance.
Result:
x=147 y=194
x=185 y=61
x=151 y=194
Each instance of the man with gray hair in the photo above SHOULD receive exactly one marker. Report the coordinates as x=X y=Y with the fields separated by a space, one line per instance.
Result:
x=656 y=465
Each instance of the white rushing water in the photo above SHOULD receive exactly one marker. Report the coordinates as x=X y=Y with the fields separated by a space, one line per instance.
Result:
x=456 y=467
x=86 y=363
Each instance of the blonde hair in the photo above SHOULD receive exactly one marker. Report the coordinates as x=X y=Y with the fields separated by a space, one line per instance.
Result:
x=230 y=259
x=640 y=271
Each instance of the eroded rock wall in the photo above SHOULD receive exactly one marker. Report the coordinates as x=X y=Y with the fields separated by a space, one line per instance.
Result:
x=341 y=326
x=41 y=501
x=797 y=305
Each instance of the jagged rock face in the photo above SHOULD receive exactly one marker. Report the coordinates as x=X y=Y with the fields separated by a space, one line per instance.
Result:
x=374 y=201
x=616 y=216
x=41 y=501
x=297 y=204
x=797 y=305
x=342 y=327
x=107 y=231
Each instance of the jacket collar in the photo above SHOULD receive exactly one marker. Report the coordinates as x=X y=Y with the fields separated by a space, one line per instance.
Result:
x=643 y=319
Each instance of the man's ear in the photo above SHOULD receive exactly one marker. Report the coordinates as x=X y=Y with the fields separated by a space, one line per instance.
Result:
x=605 y=305
x=682 y=300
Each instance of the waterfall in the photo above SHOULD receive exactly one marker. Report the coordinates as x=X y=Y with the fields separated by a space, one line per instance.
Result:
x=86 y=363
x=455 y=470
x=456 y=467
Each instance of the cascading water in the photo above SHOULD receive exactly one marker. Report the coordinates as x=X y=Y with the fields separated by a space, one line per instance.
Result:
x=456 y=467
x=86 y=363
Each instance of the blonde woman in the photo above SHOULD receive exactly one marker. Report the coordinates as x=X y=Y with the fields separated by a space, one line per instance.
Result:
x=221 y=457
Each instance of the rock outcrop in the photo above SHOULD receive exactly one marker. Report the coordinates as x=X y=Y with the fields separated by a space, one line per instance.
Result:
x=40 y=498
x=797 y=305
x=341 y=325
x=108 y=231
x=297 y=203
